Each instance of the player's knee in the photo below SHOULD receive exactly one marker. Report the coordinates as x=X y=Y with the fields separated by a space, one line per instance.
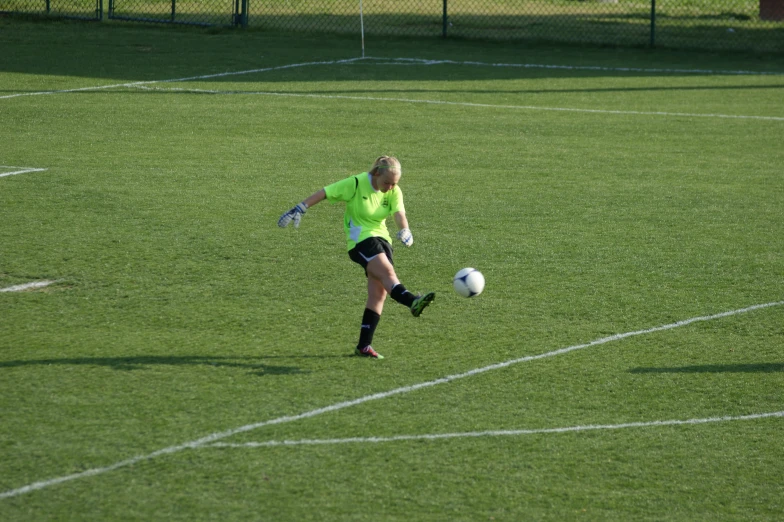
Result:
x=381 y=269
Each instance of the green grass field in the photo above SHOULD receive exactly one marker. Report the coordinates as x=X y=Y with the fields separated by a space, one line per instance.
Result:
x=608 y=201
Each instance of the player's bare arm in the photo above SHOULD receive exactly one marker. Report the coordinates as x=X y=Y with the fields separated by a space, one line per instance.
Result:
x=404 y=234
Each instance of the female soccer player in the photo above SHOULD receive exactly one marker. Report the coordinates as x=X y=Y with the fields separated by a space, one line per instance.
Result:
x=370 y=197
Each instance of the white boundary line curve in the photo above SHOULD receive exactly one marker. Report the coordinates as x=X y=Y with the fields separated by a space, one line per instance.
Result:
x=27 y=286
x=24 y=170
x=401 y=61
x=214 y=437
x=463 y=104
x=491 y=433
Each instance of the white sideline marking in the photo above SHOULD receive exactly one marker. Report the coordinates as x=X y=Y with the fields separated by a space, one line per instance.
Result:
x=402 y=61
x=465 y=104
x=26 y=286
x=490 y=433
x=24 y=170
x=367 y=398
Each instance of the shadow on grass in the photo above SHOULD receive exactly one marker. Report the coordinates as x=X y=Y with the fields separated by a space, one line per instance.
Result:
x=717 y=368
x=142 y=361
x=136 y=52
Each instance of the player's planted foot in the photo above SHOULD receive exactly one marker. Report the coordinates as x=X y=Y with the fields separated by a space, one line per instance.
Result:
x=368 y=351
x=421 y=302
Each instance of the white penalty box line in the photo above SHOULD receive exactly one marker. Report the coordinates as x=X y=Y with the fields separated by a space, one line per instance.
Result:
x=601 y=68
x=150 y=85
x=425 y=62
x=463 y=104
x=174 y=80
x=27 y=286
x=407 y=61
x=492 y=433
x=20 y=170
x=34 y=284
x=215 y=437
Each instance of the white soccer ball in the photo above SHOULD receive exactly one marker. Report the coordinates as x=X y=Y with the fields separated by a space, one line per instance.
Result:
x=469 y=282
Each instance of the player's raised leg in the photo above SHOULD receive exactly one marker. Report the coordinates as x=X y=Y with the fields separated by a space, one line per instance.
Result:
x=381 y=268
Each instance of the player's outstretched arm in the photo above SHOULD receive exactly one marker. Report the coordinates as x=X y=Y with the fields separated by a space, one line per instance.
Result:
x=295 y=214
x=404 y=234
x=316 y=197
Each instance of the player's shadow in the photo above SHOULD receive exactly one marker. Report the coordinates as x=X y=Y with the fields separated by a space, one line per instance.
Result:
x=142 y=361
x=716 y=368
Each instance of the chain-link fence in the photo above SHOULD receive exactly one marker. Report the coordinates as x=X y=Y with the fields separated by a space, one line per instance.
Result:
x=756 y=25
x=77 y=9
x=192 y=12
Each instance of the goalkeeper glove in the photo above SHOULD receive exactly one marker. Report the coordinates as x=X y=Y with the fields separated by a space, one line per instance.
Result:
x=295 y=214
x=405 y=237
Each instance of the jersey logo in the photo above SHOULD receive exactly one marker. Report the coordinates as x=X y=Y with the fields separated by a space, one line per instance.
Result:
x=385 y=203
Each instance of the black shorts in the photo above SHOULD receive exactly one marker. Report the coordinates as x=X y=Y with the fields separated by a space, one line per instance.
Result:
x=369 y=248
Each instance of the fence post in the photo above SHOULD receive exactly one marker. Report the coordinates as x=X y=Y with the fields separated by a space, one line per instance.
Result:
x=99 y=10
x=173 y=9
x=240 y=16
x=653 y=23
x=443 y=30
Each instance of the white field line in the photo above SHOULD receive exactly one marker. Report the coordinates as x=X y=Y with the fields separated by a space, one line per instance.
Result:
x=466 y=104
x=711 y=72
x=490 y=433
x=214 y=437
x=24 y=170
x=186 y=79
x=403 y=61
x=27 y=286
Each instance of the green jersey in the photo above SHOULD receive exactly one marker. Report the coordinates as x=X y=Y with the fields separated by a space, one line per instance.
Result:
x=366 y=208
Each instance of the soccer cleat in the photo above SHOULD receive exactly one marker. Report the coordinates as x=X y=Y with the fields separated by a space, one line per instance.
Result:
x=368 y=351
x=421 y=302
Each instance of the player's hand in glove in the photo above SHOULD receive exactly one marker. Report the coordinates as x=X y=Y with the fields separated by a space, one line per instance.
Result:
x=295 y=214
x=405 y=237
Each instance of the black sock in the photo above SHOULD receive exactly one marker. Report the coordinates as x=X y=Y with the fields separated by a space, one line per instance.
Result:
x=369 y=323
x=402 y=296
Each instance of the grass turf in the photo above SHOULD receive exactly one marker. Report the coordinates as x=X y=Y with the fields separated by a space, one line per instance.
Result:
x=181 y=310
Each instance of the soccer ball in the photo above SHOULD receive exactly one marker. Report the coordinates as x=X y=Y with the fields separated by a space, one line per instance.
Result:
x=469 y=282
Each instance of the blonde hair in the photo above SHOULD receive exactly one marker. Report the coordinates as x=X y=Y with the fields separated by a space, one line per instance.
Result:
x=386 y=164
